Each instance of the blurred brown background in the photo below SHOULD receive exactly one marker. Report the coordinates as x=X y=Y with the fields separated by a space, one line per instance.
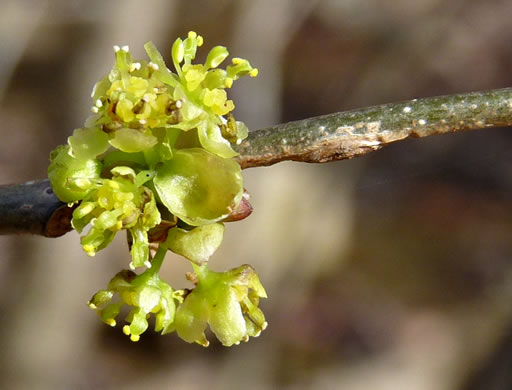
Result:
x=390 y=271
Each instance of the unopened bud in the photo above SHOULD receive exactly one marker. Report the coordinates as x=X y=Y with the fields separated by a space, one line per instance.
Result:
x=242 y=211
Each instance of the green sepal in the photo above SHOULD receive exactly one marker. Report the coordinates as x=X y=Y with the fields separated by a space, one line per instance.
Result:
x=178 y=53
x=198 y=244
x=226 y=317
x=64 y=167
x=132 y=141
x=198 y=186
x=87 y=143
x=216 y=56
x=100 y=88
x=192 y=318
x=100 y=298
x=212 y=140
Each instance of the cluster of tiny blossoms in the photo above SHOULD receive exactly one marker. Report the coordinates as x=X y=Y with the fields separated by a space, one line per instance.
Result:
x=156 y=160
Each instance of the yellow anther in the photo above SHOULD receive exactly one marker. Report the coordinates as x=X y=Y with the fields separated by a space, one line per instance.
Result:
x=192 y=34
x=134 y=338
x=89 y=249
x=126 y=330
x=135 y=66
x=228 y=83
x=92 y=306
x=156 y=309
x=113 y=184
x=203 y=342
x=254 y=72
x=200 y=41
x=127 y=297
x=110 y=322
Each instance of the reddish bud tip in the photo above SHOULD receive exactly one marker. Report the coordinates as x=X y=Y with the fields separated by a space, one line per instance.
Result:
x=242 y=211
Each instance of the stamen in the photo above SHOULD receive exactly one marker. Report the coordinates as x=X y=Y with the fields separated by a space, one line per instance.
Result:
x=135 y=66
x=111 y=322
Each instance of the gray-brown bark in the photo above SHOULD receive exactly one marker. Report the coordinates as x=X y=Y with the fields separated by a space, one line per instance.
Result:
x=32 y=207
x=349 y=134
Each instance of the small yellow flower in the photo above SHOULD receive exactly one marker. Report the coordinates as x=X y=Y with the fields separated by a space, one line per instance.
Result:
x=146 y=293
x=115 y=204
x=227 y=301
